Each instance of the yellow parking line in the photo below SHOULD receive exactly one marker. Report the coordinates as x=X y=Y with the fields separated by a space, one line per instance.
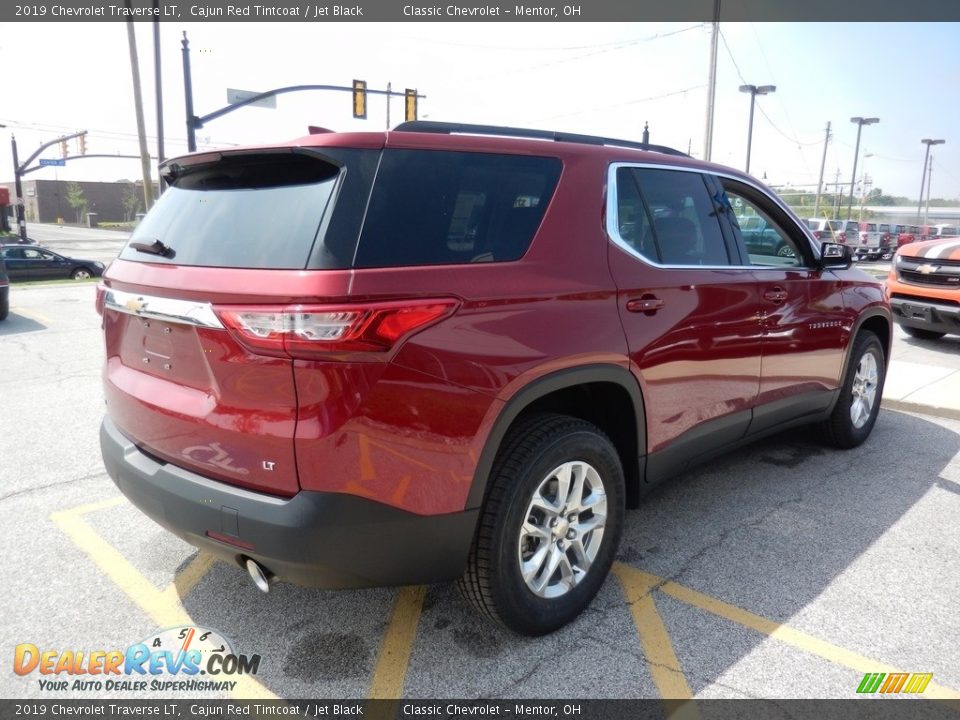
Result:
x=664 y=666
x=94 y=506
x=32 y=315
x=395 y=649
x=777 y=631
x=187 y=579
x=163 y=608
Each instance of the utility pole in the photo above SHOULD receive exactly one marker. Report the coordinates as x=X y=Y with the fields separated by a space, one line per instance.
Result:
x=158 y=85
x=389 y=90
x=712 y=82
x=138 y=104
x=823 y=165
x=188 y=95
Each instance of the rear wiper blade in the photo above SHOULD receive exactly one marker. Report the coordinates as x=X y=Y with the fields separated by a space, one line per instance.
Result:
x=157 y=247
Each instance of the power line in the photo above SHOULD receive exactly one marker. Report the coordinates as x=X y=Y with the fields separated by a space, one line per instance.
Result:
x=561 y=48
x=627 y=102
x=760 y=107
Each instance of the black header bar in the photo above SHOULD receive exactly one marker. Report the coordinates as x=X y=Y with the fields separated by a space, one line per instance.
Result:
x=322 y=11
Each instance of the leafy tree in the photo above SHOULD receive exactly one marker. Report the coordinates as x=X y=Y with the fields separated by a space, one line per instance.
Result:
x=132 y=201
x=76 y=200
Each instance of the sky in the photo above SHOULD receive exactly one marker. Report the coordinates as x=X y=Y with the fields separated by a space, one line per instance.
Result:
x=595 y=78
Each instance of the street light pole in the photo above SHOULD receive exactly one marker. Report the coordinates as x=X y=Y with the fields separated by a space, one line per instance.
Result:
x=853 y=175
x=754 y=91
x=926 y=208
x=926 y=158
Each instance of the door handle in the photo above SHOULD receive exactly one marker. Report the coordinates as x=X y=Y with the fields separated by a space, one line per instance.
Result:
x=775 y=295
x=648 y=305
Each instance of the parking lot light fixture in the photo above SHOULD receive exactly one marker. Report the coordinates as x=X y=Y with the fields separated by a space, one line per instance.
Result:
x=923 y=178
x=860 y=123
x=754 y=91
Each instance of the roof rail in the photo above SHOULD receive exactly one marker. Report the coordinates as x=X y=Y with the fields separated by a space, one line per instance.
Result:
x=431 y=126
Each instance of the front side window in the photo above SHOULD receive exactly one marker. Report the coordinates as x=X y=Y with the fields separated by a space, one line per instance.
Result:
x=766 y=241
x=668 y=217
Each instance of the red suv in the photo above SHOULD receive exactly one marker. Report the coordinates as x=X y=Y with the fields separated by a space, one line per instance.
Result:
x=454 y=351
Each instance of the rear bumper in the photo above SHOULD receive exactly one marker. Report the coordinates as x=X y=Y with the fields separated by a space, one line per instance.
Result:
x=329 y=540
x=926 y=315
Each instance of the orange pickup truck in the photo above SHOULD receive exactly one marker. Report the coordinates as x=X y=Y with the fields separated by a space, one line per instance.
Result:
x=924 y=288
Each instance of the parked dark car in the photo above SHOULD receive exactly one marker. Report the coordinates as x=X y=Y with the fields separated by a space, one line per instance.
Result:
x=4 y=290
x=461 y=352
x=30 y=262
x=761 y=238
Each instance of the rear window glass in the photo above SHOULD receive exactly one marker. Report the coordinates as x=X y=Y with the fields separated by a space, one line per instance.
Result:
x=245 y=211
x=432 y=207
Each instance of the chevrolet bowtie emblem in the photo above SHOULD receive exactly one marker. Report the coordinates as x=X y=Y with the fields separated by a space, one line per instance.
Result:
x=927 y=269
x=135 y=304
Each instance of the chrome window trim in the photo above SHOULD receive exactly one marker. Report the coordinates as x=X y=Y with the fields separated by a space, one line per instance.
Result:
x=613 y=221
x=183 y=312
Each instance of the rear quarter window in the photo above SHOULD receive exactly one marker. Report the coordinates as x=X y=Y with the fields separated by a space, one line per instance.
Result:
x=431 y=207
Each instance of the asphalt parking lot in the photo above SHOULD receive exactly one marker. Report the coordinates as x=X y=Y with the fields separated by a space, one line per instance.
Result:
x=784 y=570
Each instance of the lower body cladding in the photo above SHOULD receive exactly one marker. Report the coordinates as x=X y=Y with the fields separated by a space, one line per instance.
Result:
x=926 y=314
x=329 y=540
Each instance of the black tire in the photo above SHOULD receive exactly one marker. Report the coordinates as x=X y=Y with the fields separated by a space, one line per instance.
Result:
x=530 y=456
x=922 y=334
x=840 y=429
x=81 y=273
x=785 y=251
x=4 y=302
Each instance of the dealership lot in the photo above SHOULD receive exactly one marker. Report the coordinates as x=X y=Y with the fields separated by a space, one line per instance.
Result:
x=782 y=570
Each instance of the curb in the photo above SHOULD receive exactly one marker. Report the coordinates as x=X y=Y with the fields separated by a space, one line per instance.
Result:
x=921 y=409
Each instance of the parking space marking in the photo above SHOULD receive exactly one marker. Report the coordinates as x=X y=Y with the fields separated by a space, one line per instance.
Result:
x=164 y=608
x=32 y=315
x=397 y=644
x=389 y=675
x=777 y=631
x=662 y=659
x=187 y=579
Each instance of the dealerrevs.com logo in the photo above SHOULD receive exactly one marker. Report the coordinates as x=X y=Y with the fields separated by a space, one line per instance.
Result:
x=183 y=658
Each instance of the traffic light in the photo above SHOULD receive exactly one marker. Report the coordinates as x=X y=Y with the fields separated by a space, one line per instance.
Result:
x=410 y=105
x=360 y=99
x=82 y=142
x=64 y=150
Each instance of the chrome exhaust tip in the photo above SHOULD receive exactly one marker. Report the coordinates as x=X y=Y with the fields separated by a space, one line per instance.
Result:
x=259 y=575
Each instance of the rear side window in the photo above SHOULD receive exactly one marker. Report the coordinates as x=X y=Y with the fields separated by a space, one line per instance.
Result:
x=432 y=207
x=260 y=210
x=669 y=217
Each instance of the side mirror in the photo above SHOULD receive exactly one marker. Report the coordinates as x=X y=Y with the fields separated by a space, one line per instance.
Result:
x=834 y=256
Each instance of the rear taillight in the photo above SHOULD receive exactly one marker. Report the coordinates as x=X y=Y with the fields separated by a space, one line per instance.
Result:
x=310 y=331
